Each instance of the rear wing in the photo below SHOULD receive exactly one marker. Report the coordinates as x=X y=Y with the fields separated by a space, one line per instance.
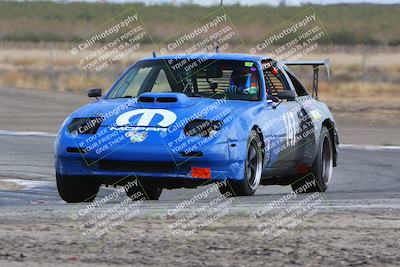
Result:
x=315 y=64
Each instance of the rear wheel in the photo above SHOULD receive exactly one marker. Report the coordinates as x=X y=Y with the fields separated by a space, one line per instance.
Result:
x=146 y=190
x=322 y=167
x=74 y=189
x=253 y=170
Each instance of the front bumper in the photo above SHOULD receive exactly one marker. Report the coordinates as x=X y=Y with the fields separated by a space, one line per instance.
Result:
x=151 y=161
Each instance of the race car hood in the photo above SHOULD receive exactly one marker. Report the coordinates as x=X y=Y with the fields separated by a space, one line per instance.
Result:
x=158 y=110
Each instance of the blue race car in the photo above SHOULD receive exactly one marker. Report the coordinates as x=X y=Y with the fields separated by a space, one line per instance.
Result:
x=185 y=121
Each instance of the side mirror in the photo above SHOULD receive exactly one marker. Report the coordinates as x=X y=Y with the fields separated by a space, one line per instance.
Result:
x=95 y=92
x=272 y=98
x=287 y=94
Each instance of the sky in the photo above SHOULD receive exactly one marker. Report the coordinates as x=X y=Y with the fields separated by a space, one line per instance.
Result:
x=250 y=2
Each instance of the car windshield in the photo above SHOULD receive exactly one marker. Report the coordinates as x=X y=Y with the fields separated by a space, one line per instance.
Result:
x=231 y=79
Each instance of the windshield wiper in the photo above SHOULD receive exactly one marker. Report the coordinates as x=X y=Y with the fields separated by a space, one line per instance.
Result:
x=125 y=96
x=193 y=95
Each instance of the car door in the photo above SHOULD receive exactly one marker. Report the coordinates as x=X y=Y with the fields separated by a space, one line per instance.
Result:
x=306 y=137
x=284 y=125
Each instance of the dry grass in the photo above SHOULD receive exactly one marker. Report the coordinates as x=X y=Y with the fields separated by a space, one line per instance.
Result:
x=355 y=73
x=59 y=82
x=57 y=69
x=354 y=89
x=43 y=21
x=370 y=102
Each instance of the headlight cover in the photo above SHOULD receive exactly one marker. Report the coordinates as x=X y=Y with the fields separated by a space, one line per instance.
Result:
x=84 y=125
x=203 y=128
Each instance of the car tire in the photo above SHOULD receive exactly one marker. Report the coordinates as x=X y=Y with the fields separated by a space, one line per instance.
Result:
x=73 y=189
x=252 y=173
x=322 y=167
x=149 y=191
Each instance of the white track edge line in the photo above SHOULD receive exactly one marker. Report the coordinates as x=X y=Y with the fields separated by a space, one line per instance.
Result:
x=368 y=147
x=18 y=133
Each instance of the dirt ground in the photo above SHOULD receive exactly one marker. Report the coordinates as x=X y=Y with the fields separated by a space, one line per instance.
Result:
x=327 y=239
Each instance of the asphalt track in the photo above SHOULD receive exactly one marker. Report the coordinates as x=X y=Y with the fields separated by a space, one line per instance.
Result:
x=367 y=178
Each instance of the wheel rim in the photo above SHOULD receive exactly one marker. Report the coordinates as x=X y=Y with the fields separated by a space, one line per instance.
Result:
x=327 y=160
x=253 y=166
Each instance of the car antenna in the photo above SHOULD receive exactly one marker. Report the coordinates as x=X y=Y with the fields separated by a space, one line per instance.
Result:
x=217 y=47
x=154 y=54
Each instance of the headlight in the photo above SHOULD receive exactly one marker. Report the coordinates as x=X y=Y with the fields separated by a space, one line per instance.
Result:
x=204 y=128
x=84 y=125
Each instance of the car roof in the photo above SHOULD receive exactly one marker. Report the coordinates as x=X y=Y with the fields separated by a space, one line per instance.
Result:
x=213 y=56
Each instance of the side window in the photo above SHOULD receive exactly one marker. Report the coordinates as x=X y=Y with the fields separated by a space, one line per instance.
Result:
x=300 y=90
x=274 y=83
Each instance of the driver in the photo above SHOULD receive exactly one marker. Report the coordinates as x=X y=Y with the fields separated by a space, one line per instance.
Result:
x=236 y=82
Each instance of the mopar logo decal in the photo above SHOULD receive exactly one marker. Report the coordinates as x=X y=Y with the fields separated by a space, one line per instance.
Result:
x=147 y=115
x=136 y=137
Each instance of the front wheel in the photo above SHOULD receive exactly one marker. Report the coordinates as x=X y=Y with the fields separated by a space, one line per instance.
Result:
x=321 y=173
x=77 y=189
x=252 y=173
